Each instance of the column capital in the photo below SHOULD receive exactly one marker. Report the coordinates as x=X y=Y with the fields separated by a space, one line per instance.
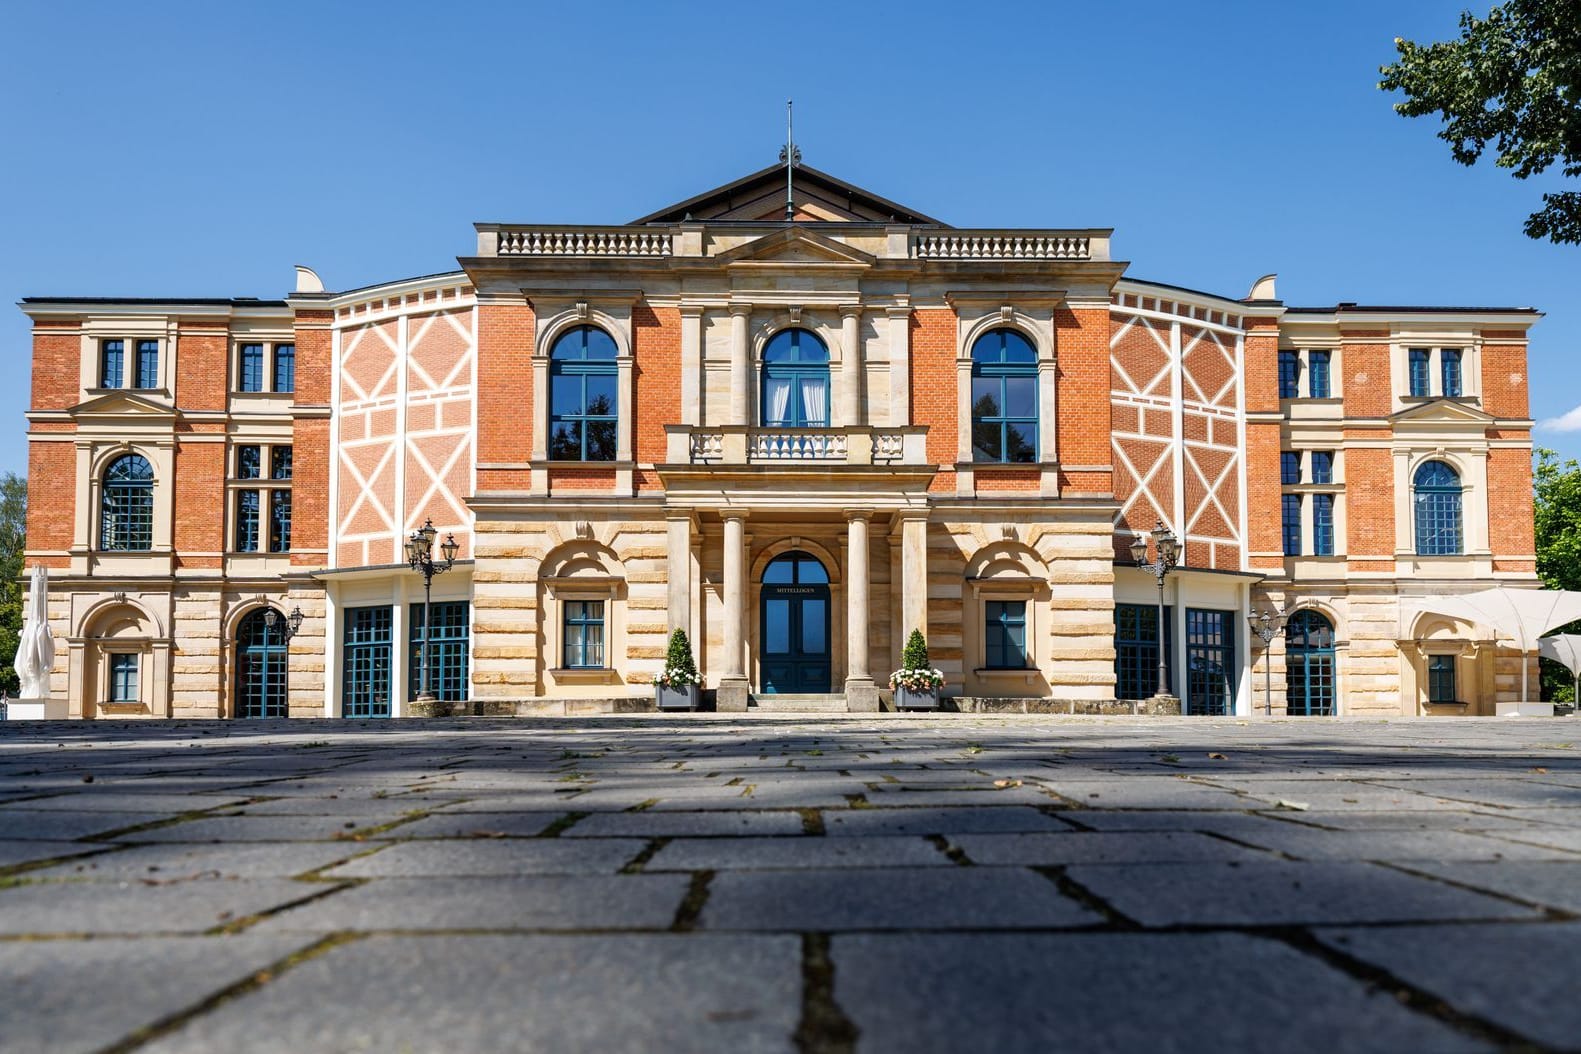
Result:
x=739 y=310
x=857 y=514
x=734 y=514
x=851 y=310
x=692 y=310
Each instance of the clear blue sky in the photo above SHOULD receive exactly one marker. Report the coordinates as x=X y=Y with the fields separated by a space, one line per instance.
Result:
x=203 y=149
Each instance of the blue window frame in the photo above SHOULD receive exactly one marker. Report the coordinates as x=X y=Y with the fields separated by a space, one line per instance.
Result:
x=1449 y=366
x=1323 y=525
x=1290 y=523
x=261 y=666
x=795 y=389
x=126 y=509
x=1309 y=665
x=285 y=367
x=1289 y=374
x=583 y=396
x=1005 y=634
x=365 y=656
x=1418 y=363
x=584 y=634
x=448 y=646
x=1136 y=650
x=1441 y=679
x=1004 y=398
x=279 y=521
x=123 y=677
x=1437 y=500
x=249 y=462
x=112 y=361
x=1211 y=667
x=147 y=364
x=280 y=461
x=1317 y=374
x=1322 y=466
x=1290 y=466
x=247 y=521
x=252 y=368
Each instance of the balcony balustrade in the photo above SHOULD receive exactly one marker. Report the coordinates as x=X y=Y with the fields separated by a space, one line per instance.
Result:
x=746 y=445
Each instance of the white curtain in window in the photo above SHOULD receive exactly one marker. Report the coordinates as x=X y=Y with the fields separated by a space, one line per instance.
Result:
x=815 y=401
x=776 y=396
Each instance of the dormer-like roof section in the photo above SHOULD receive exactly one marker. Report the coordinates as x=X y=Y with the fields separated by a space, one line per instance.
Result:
x=818 y=197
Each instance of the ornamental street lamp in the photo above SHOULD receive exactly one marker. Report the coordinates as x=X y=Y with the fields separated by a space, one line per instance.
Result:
x=420 y=554
x=1167 y=553
x=271 y=619
x=1267 y=626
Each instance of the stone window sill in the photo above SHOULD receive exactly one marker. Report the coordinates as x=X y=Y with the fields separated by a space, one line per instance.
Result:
x=585 y=675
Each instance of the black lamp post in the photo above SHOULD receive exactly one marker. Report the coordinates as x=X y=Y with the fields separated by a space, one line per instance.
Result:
x=271 y=618
x=1167 y=554
x=420 y=554
x=1267 y=626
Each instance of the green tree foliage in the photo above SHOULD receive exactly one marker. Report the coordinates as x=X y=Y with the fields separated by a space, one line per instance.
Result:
x=1512 y=80
x=915 y=655
x=13 y=539
x=1557 y=518
x=679 y=665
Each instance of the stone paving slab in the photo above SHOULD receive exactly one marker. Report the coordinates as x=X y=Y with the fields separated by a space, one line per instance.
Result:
x=1114 y=847
x=13 y=854
x=549 y=902
x=1281 y=893
x=659 y=824
x=702 y=992
x=126 y=800
x=493 y=857
x=176 y=861
x=1311 y=843
x=940 y=820
x=1176 y=994
x=1551 y=883
x=740 y=854
x=21 y=825
x=479 y=825
x=958 y=898
x=246 y=828
x=1536 y=999
x=134 y=907
x=85 y=995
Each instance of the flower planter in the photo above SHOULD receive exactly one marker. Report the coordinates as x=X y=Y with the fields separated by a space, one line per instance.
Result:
x=677 y=698
x=926 y=699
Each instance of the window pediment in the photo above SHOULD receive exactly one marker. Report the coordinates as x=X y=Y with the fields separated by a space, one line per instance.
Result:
x=120 y=403
x=796 y=247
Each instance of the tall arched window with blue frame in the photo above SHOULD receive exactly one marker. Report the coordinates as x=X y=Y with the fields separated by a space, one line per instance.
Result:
x=795 y=381
x=1436 y=495
x=583 y=396
x=126 y=506
x=1004 y=398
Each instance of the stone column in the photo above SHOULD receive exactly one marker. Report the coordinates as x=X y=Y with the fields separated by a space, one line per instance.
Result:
x=678 y=573
x=733 y=688
x=740 y=366
x=860 y=692
x=913 y=575
x=851 y=366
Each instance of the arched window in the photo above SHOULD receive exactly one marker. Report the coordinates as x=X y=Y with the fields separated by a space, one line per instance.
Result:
x=261 y=665
x=126 y=510
x=1437 y=498
x=795 y=381
x=795 y=625
x=1309 y=665
x=1004 y=398
x=583 y=403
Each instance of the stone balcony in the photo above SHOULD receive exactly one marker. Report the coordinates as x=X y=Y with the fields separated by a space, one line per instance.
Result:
x=750 y=445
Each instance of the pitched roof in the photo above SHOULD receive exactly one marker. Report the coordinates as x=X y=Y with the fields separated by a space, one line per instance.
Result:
x=818 y=196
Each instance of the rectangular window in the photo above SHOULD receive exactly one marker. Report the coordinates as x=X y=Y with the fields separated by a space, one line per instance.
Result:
x=280 y=462
x=1005 y=633
x=1211 y=669
x=147 y=364
x=285 y=367
x=1289 y=374
x=1323 y=525
x=447 y=651
x=123 y=678
x=365 y=680
x=252 y=368
x=1317 y=374
x=1291 y=522
x=584 y=634
x=1290 y=467
x=247 y=521
x=249 y=462
x=1441 y=679
x=1449 y=361
x=279 y=521
x=1136 y=650
x=1322 y=466
x=1418 y=371
x=112 y=359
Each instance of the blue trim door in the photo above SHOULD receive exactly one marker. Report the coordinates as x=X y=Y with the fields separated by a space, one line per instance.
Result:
x=794 y=609
x=1210 y=662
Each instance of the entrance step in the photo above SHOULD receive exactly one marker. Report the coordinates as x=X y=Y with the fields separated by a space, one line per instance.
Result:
x=789 y=703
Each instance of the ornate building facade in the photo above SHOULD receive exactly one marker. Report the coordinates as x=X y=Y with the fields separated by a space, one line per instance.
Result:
x=796 y=438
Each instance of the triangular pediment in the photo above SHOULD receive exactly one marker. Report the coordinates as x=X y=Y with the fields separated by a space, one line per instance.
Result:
x=796 y=246
x=122 y=404
x=1442 y=412
x=816 y=196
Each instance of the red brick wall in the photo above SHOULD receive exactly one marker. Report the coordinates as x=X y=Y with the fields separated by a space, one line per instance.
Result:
x=51 y=498
x=57 y=360
x=1082 y=339
x=1369 y=497
x=1365 y=353
x=310 y=441
x=200 y=489
x=1504 y=381
x=656 y=347
x=1262 y=444
x=1510 y=530
x=505 y=411
x=934 y=396
x=201 y=367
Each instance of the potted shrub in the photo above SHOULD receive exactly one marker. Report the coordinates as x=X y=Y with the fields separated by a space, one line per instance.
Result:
x=916 y=684
x=676 y=686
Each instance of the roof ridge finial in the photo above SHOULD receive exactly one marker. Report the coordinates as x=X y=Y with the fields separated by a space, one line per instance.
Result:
x=790 y=157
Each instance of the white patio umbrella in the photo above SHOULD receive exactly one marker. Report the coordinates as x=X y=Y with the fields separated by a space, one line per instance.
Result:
x=1565 y=648
x=1521 y=615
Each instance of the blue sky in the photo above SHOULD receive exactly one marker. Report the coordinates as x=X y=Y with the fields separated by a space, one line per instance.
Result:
x=203 y=149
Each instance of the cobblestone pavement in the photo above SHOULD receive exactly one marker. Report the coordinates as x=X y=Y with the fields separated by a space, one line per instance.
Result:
x=728 y=883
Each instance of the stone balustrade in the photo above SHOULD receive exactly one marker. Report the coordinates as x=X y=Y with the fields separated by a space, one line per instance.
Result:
x=1002 y=245
x=744 y=445
x=580 y=241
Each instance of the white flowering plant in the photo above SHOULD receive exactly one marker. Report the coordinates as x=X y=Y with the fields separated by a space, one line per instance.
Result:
x=915 y=675
x=680 y=669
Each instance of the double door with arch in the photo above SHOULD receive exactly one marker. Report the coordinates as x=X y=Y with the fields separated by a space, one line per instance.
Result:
x=794 y=626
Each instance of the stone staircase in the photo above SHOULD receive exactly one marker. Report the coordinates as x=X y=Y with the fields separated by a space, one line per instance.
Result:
x=772 y=703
